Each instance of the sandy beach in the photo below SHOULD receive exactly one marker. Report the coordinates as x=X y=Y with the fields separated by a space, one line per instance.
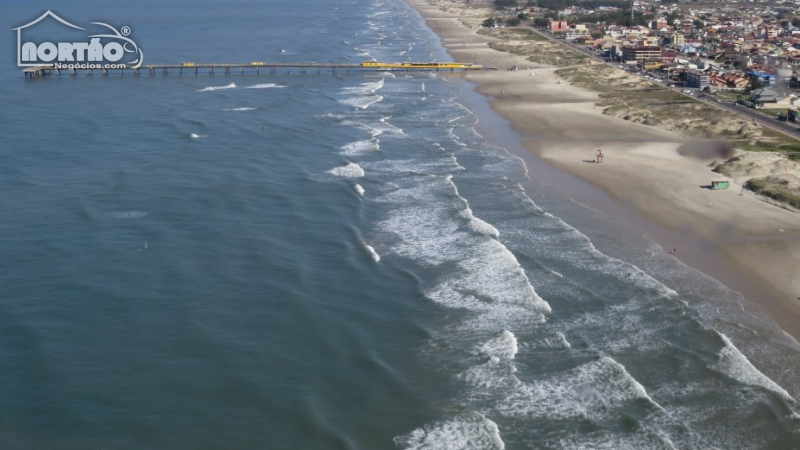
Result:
x=748 y=244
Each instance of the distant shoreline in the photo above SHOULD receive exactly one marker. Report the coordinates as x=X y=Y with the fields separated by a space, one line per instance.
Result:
x=747 y=244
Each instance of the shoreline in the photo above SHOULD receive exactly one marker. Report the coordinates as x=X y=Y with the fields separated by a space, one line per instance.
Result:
x=747 y=244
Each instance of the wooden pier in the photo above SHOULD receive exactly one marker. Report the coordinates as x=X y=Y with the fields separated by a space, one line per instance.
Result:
x=252 y=67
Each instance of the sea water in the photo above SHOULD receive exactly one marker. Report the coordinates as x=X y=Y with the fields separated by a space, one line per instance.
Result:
x=335 y=260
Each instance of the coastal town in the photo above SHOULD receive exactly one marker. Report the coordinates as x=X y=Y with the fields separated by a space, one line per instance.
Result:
x=711 y=71
x=749 y=51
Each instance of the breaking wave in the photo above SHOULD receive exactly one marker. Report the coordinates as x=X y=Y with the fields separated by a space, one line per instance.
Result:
x=218 y=88
x=351 y=170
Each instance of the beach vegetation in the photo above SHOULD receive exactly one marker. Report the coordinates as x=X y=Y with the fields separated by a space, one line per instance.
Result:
x=792 y=151
x=775 y=188
x=489 y=23
x=621 y=17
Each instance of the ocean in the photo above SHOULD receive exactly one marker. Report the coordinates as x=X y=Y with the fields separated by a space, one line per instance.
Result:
x=336 y=261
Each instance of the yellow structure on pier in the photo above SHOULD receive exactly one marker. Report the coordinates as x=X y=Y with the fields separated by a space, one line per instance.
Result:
x=422 y=65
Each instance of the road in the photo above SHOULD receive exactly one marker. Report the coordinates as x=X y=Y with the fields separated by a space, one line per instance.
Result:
x=788 y=129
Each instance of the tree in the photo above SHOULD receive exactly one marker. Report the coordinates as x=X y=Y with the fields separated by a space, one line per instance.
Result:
x=796 y=22
x=522 y=16
x=540 y=22
x=756 y=82
x=513 y=21
x=489 y=23
x=671 y=18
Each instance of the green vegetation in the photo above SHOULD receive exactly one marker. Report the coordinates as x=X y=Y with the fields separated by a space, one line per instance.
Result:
x=792 y=151
x=775 y=189
x=621 y=17
x=524 y=34
x=491 y=22
x=557 y=5
x=541 y=22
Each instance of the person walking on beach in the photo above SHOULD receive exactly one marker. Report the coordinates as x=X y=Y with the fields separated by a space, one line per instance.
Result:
x=599 y=157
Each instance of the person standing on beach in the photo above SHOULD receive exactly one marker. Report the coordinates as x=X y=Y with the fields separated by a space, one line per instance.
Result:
x=599 y=157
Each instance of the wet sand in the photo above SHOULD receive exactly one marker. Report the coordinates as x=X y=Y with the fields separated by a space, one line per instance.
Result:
x=749 y=245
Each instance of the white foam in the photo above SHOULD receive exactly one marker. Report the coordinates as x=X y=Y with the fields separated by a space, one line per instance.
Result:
x=365 y=88
x=479 y=225
x=560 y=340
x=359 y=189
x=488 y=276
x=467 y=431
x=358 y=148
x=194 y=136
x=373 y=253
x=734 y=364
x=492 y=378
x=385 y=127
x=244 y=108
x=604 y=440
x=374 y=132
x=351 y=170
x=418 y=166
x=555 y=340
x=129 y=214
x=597 y=389
x=265 y=86
x=491 y=273
x=217 y=88
x=501 y=347
x=574 y=247
x=362 y=102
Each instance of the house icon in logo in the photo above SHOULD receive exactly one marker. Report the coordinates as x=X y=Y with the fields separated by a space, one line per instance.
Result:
x=97 y=49
x=42 y=17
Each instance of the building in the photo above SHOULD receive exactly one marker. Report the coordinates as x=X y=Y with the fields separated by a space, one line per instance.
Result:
x=558 y=26
x=697 y=79
x=765 y=95
x=641 y=53
x=767 y=31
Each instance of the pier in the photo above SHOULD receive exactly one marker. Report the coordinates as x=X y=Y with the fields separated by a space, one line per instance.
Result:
x=252 y=67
